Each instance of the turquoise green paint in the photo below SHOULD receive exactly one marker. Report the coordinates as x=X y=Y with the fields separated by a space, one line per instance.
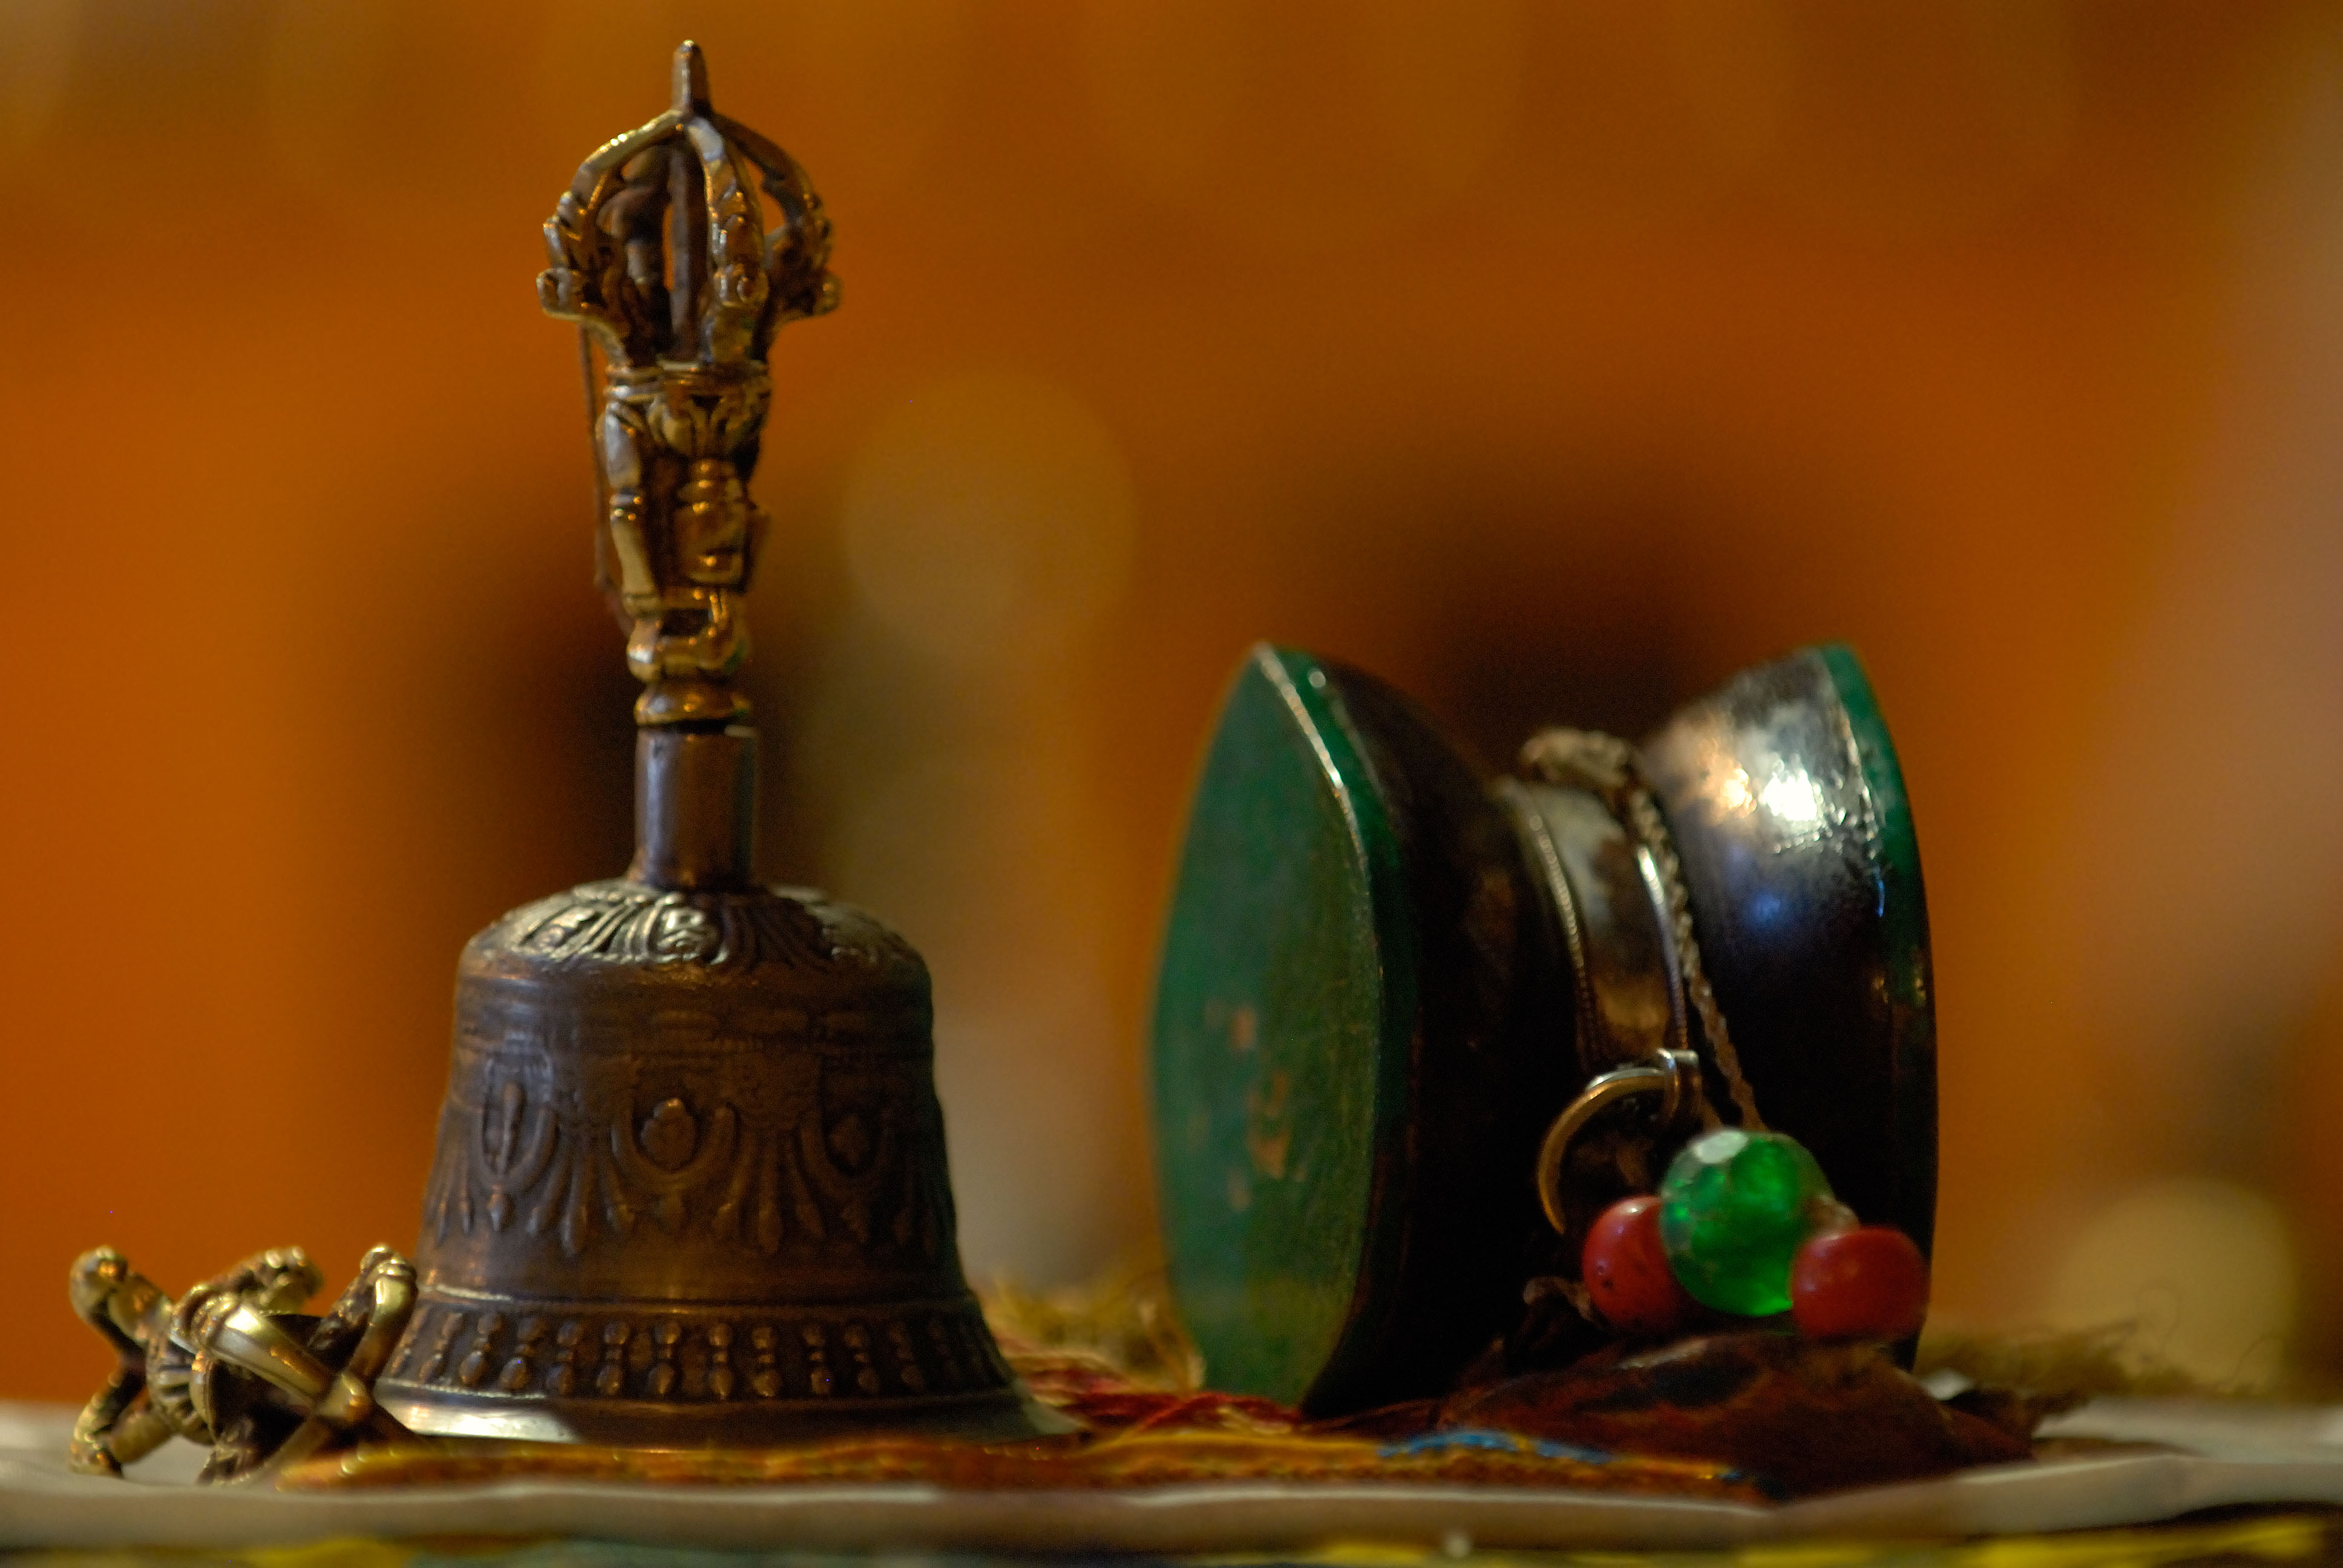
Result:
x=1905 y=903
x=1904 y=921
x=1284 y=1013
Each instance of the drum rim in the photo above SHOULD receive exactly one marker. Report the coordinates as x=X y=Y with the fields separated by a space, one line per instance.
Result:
x=1906 y=953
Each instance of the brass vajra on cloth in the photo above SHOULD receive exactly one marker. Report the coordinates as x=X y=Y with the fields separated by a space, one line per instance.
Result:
x=234 y=1365
x=660 y=254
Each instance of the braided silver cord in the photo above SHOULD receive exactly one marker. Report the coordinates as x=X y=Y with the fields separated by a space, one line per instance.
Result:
x=1606 y=765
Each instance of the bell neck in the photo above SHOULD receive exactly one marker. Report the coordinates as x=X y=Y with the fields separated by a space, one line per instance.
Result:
x=695 y=807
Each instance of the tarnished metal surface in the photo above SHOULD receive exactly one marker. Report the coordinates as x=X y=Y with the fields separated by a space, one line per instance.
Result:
x=1605 y=894
x=690 y=1182
x=1783 y=795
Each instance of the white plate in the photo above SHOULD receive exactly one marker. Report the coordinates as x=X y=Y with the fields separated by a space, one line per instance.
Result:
x=2239 y=1453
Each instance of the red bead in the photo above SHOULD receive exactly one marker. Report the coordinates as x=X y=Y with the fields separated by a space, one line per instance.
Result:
x=1867 y=1283
x=1626 y=1271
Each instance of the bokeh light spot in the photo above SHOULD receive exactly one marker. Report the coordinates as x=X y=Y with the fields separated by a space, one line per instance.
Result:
x=2204 y=1268
x=988 y=518
x=36 y=49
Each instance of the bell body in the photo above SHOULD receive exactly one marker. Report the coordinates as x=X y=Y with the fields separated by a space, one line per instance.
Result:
x=690 y=1186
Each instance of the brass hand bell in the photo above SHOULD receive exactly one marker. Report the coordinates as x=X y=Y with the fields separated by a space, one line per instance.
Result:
x=690 y=1186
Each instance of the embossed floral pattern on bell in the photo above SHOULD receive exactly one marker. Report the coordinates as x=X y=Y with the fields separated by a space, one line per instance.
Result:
x=610 y=1089
x=691 y=1157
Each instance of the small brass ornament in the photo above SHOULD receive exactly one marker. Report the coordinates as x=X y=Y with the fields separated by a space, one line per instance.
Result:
x=234 y=1365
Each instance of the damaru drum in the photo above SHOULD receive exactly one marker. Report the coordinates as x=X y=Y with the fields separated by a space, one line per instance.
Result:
x=1384 y=979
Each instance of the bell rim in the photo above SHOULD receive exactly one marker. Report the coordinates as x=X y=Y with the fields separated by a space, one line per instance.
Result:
x=988 y=1415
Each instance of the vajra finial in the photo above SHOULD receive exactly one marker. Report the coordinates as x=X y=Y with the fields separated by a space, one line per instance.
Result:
x=661 y=256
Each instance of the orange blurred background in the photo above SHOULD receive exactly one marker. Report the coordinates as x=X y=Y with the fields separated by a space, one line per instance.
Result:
x=1551 y=360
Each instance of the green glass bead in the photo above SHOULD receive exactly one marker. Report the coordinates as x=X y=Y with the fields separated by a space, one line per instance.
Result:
x=1735 y=1208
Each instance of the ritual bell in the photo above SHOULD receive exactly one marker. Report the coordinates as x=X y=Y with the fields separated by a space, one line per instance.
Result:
x=690 y=1186
x=1414 y=1029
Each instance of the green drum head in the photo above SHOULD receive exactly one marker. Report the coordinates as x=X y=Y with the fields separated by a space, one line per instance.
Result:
x=1359 y=1035
x=1281 y=1017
